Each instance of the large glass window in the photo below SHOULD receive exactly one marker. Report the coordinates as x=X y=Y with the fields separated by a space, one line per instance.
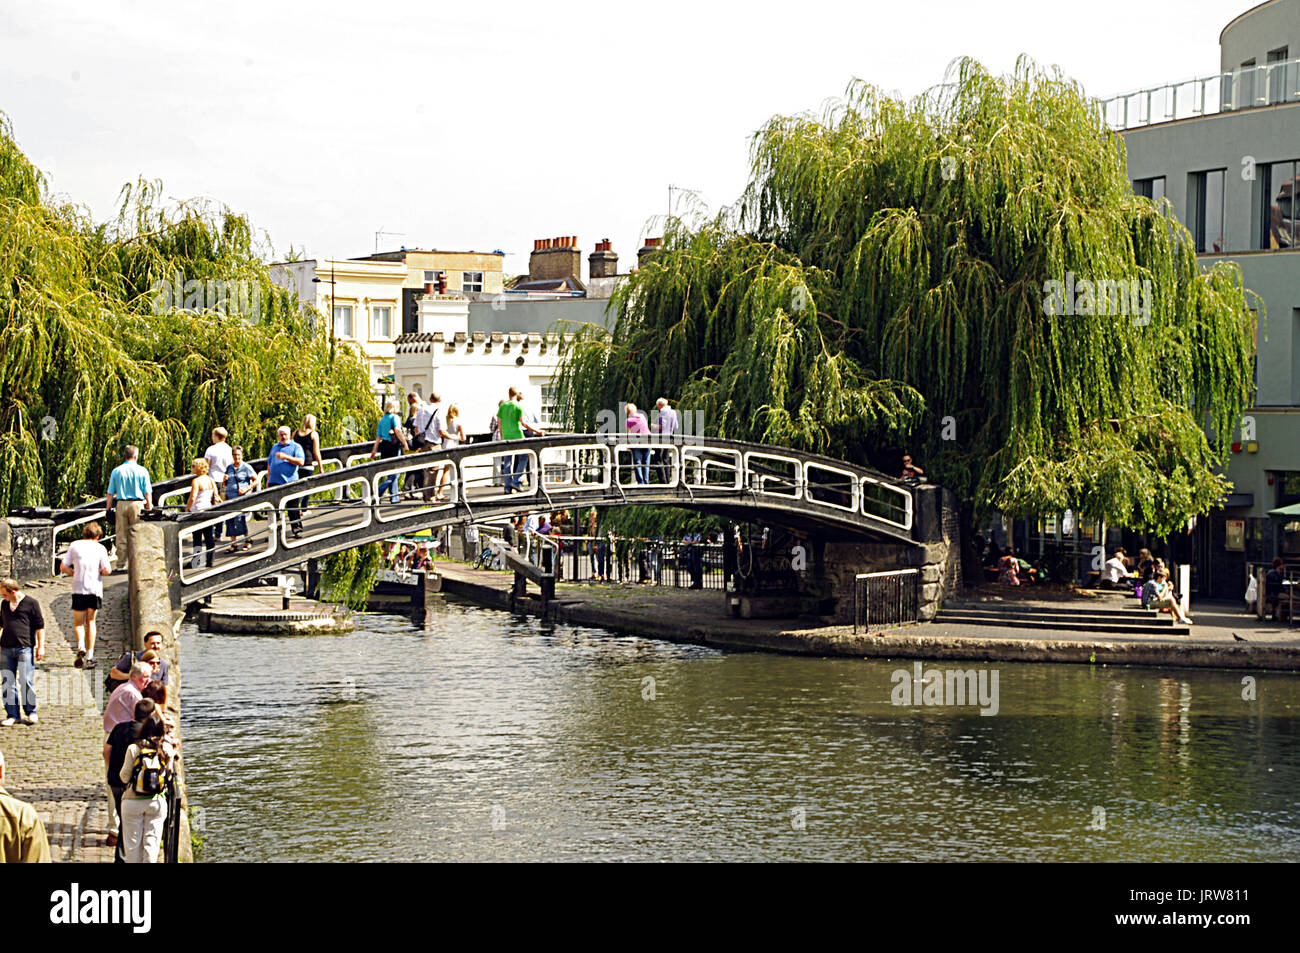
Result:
x=1278 y=225
x=1207 y=211
x=1153 y=188
x=1277 y=75
x=1246 y=88
x=381 y=322
x=343 y=321
x=471 y=281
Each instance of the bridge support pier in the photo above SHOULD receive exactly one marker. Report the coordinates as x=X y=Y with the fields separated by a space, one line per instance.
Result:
x=26 y=547
x=937 y=554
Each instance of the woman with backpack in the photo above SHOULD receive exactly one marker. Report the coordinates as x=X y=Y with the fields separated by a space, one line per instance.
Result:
x=147 y=770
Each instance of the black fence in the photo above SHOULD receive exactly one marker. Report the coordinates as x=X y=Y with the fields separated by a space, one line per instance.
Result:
x=883 y=599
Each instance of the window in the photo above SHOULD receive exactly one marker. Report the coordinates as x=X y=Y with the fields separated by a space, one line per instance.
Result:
x=546 y=409
x=378 y=371
x=1278 y=225
x=343 y=320
x=1206 y=208
x=430 y=276
x=471 y=281
x=381 y=322
x=1246 y=95
x=1153 y=189
x=1277 y=75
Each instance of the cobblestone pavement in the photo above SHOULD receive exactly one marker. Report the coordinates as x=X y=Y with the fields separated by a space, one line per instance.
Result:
x=58 y=764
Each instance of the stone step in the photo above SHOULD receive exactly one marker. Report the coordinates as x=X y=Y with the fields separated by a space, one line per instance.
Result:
x=1020 y=609
x=1109 y=627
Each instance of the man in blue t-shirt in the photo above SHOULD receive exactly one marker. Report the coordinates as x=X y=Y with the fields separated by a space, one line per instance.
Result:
x=283 y=463
x=129 y=492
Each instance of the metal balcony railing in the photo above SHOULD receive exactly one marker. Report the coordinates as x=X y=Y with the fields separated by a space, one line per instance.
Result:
x=1247 y=87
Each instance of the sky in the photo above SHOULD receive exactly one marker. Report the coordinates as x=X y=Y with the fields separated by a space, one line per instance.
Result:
x=486 y=126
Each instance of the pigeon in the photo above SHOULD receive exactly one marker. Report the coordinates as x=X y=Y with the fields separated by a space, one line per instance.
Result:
x=1238 y=638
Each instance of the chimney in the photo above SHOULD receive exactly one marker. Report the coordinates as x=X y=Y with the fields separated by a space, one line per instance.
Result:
x=555 y=258
x=603 y=262
x=649 y=248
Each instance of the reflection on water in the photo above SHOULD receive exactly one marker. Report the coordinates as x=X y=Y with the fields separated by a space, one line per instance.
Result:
x=482 y=736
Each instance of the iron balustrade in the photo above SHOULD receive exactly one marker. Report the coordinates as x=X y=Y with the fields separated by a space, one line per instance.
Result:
x=356 y=500
x=886 y=598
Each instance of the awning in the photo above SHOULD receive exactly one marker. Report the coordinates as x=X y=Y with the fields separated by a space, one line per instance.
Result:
x=1291 y=512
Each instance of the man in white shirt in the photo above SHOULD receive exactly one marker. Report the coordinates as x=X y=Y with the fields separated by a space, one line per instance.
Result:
x=86 y=561
x=1114 y=570
x=219 y=456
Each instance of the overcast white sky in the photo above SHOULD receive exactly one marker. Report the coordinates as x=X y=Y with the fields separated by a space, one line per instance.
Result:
x=485 y=126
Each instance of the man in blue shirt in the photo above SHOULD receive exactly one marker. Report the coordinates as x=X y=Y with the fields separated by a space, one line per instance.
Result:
x=283 y=463
x=240 y=479
x=129 y=491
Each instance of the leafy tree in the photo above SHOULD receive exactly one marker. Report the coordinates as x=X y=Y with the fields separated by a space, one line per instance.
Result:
x=129 y=332
x=883 y=284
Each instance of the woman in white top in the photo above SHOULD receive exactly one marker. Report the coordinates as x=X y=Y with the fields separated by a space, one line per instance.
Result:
x=453 y=435
x=144 y=810
x=203 y=496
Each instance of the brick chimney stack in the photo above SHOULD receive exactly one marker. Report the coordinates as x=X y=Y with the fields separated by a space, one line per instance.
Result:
x=555 y=258
x=649 y=248
x=603 y=262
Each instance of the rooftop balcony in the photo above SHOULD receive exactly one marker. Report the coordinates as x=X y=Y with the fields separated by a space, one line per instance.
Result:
x=1242 y=88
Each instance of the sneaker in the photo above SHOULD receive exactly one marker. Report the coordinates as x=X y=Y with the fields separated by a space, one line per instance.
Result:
x=9 y=722
x=33 y=719
x=88 y=663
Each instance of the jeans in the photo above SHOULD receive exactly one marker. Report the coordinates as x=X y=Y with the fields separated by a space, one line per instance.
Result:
x=641 y=464
x=516 y=466
x=142 y=828
x=18 y=668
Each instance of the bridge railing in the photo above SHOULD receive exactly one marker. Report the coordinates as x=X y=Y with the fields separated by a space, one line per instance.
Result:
x=360 y=492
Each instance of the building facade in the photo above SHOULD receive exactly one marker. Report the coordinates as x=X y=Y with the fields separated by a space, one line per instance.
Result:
x=1224 y=150
x=360 y=298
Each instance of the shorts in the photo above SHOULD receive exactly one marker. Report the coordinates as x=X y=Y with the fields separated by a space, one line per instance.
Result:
x=85 y=600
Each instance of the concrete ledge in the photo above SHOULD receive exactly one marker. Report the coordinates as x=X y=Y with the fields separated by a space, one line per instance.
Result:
x=759 y=635
x=273 y=623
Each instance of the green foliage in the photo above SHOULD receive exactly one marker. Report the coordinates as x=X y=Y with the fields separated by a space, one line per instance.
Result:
x=89 y=339
x=347 y=577
x=886 y=269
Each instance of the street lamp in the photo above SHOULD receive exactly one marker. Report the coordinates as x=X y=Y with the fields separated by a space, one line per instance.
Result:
x=330 y=319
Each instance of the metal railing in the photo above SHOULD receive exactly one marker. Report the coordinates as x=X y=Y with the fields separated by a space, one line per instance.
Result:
x=886 y=598
x=1247 y=87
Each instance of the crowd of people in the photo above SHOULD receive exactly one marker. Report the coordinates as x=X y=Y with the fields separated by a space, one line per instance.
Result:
x=556 y=539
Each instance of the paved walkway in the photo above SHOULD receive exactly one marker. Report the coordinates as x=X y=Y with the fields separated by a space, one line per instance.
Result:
x=58 y=764
x=702 y=617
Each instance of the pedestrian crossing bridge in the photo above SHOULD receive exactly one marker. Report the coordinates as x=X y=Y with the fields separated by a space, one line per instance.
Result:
x=355 y=500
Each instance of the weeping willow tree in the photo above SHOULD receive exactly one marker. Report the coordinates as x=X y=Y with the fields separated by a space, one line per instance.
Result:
x=887 y=283
x=150 y=329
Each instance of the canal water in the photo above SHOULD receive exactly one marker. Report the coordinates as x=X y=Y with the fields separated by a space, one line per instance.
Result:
x=480 y=736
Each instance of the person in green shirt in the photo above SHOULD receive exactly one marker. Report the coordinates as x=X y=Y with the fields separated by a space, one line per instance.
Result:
x=511 y=417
